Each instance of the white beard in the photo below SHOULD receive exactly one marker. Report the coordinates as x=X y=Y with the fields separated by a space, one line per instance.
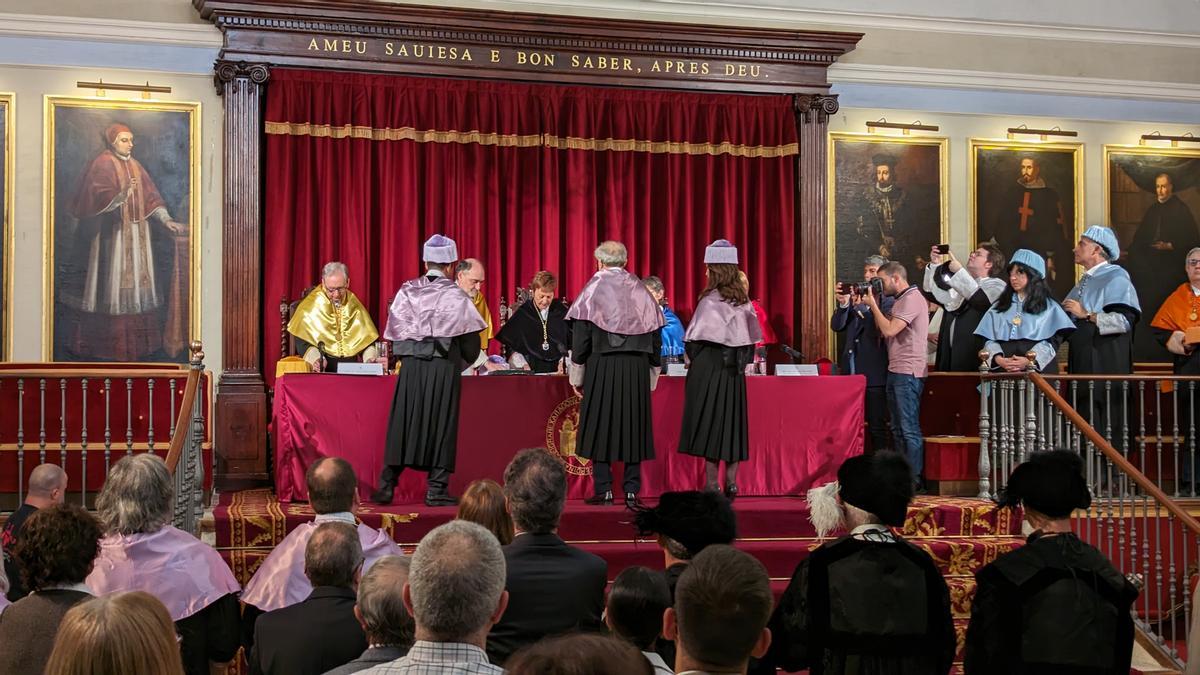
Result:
x=824 y=511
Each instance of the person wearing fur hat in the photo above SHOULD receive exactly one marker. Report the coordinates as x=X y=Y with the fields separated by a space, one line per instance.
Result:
x=1055 y=605
x=685 y=523
x=435 y=328
x=1024 y=319
x=869 y=601
x=720 y=344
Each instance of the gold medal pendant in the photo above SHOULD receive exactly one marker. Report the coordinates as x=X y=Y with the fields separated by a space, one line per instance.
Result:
x=1016 y=320
x=1192 y=316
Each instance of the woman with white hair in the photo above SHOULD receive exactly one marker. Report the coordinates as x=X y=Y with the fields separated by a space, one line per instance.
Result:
x=142 y=551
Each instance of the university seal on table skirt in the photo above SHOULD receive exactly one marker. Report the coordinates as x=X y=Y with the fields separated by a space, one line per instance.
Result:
x=561 y=429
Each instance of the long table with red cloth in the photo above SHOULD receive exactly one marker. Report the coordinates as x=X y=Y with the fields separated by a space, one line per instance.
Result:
x=801 y=429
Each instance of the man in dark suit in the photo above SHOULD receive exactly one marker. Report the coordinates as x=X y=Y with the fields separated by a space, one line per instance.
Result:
x=864 y=352
x=382 y=615
x=553 y=588
x=321 y=632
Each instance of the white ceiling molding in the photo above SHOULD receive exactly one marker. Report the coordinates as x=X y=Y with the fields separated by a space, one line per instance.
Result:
x=110 y=30
x=747 y=13
x=861 y=73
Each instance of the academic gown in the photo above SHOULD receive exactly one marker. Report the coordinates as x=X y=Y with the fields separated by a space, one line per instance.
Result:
x=614 y=416
x=863 y=607
x=423 y=425
x=958 y=346
x=1175 y=314
x=1090 y=353
x=1015 y=332
x=522 y=333
x=1054 y=606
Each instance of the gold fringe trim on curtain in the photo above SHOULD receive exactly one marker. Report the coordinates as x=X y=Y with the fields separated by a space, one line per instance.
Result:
x=529 y=140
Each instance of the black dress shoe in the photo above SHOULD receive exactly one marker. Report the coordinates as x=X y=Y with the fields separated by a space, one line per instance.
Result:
x=632 y=501
x=443 y=499
x=731 y=492
x=383 y=495
x=605 y=499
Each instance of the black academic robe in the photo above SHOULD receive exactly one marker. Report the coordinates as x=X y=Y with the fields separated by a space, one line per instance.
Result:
x=863 y=607
x=716 y=418
x=1156 y=274
x=423 y=428
x=958 y=346
x=1091 y=353
x=522 y=333
x=614 y=415
x=1055 y=605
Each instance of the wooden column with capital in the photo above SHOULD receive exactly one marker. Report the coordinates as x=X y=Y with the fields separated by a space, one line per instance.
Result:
x=812 y=204
x=241 y=403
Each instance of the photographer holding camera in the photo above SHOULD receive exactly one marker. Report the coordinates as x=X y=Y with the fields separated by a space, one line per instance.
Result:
x=864 y=352
x=905 y=330
x=966 y=292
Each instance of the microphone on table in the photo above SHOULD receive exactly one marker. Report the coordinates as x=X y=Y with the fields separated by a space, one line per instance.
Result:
x=793 y=354
x=321 y=350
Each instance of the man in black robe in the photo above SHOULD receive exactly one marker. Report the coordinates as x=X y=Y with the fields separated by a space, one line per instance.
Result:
x=1055 y=605
x=615 y=357
x=965 y=292
x=435 y=329
x=537 y=333
x=869 y=602
x=1031 y=217
x=1167 y=231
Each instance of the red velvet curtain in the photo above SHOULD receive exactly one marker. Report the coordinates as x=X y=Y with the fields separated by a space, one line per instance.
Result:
x=363 y=168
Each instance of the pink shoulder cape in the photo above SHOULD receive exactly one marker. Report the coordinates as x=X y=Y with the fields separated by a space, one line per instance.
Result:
x=718 y=321
x=280 y=581
x=186 y=574
x=616 y=301
x=431 y=308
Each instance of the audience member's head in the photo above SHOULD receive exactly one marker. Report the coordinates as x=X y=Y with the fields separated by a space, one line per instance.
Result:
x=380 y=608
x=535 y=485
x=483 y=502
x=47 y=486
x=58 y=546
x=722 y=604
x=870 y=489
x=1049 y=485
x=333 y=555
x=579 y=654
x=124 y=633
x=332 y=485
x=686 y=522
x=635 y=606
x=455 y=589
x=136 y=496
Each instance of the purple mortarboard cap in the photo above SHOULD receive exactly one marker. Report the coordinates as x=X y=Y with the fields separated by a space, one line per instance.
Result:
x=720 y=251
x=441 y=250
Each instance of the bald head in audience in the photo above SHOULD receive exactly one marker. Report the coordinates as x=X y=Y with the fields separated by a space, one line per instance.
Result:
x=47 y=486
x=332 y=486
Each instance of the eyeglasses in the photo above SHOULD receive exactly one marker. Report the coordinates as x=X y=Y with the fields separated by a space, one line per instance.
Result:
x=1193 y=262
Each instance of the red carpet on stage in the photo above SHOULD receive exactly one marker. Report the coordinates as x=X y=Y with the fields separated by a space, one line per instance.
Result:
x=962 y=535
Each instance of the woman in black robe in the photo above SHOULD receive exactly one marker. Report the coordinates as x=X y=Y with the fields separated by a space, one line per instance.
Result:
x=720 y=344
x=538 y=329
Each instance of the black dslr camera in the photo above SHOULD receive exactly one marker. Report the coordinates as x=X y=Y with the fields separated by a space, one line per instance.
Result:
x=862 y=287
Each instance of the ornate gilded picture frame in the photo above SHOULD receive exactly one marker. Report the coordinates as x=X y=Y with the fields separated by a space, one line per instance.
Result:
x=7 y=240
x=1152 y=202
x=122 y=222
x=1029 y=195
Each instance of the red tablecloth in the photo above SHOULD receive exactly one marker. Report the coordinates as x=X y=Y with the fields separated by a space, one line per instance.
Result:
x=801 y=429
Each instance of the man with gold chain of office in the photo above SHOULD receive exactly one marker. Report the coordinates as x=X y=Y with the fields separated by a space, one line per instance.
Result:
x=331 y=326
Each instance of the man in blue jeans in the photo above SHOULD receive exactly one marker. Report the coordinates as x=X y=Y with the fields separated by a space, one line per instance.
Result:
x=905 y=330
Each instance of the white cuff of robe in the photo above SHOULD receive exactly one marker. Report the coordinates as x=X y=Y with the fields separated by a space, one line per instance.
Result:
x=518 y=360
x=1111 y=323
x=993 y=349
x=575 y=373
x=480 y=360
x=1045 y=354
x=964 y=284
x=949 y=299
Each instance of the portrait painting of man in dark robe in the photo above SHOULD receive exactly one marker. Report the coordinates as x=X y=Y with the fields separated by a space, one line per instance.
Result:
x=886 y=199
x=122 y=207
x=1025 y=198
x=1153 y=204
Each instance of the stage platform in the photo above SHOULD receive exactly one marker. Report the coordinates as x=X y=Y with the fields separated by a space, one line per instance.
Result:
x=962 y=535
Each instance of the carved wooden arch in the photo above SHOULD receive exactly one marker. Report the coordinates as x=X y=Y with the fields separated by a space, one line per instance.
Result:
x=373 y=35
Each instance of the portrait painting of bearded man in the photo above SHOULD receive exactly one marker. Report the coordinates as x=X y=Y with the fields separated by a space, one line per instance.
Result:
x=1026 y=197
x=1153 y=204
x=887 y=198
x=122 y=203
